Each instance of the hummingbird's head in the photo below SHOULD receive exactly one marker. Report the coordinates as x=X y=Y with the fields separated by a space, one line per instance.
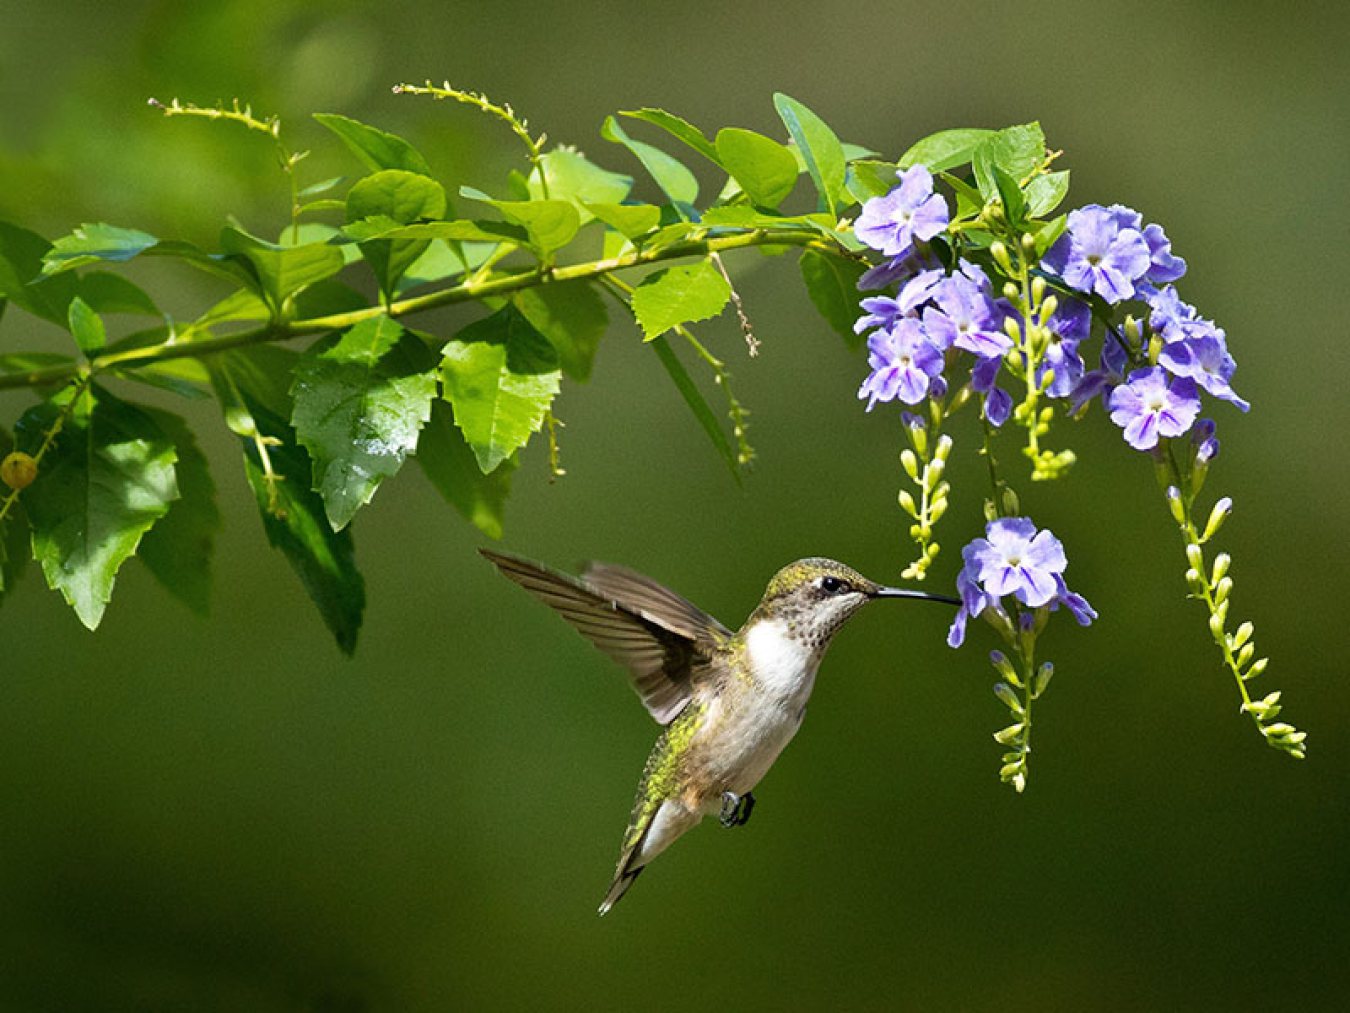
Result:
x=815 y=597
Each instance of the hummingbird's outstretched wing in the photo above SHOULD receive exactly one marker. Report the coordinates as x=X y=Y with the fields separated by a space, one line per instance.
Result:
x=654 y=633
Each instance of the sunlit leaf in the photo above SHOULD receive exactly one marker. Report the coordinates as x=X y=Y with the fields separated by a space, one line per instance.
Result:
x=398 y=196
x=377 y=149
x=95 y=242
x=551 y=224
x=573 y=177
x=500 y=375
x=765 y=170
x=819 y=147
x=678 y=128
x=630 y=220
x=281 y=271
x=1046 y=192
x=86 y=327
x=679 y=295
x=945 y=149
x=675 y=180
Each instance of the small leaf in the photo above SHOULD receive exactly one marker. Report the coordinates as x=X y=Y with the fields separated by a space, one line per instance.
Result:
x=23 y=362
x=501 y=375
x=21 y=275
x=705 y=416
x=178 y=549
x=376 y=148
x=111 y=293
x=359 y=404
x=402 y=197
x=94 y=242
x=674 y=179
x=945 y=149
x=678 y=128
x=679 y=295
x=573 y=316
x=572 y=177
x=108 y=477
x=450 y=464
x=1018 y=151
x=251 y=387
x=832 y=284
x=86 y=327
x=551 y=224
x=280 y=271
x=1046 y=192
x=381 y=227
x=765 y=170
x=819 y=147
x=630 y=220
x=868 y=179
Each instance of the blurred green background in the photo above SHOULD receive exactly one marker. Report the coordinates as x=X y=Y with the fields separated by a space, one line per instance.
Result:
x=227 y=814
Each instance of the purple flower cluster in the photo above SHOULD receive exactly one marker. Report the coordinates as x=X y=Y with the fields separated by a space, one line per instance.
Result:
x=911 y=211
x=1111 y=252
x=1014 y=559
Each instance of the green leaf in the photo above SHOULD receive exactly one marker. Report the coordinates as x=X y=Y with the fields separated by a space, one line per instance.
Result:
x=381 y=227
x=695 y=400
x=1014 y=204
x=323 y=186
x=1017 y=151
x=741 y=216
x=501 y=375
x=398 y=196
x=450 y=464
x=280 y=271
x=359 y=404
x=819 y=147
x=630 y=220
x=946 y=149
x=251 y=388
x=1046 y=192
x=573 y=316
x=868 y=179
x=108 y=477
x=572 y=177
x=376 y=148
x=94 y=242
x=678 y=128
x=111 y=293
x=765 y=170
x=178 y=549
x=551 y=224
x=23 y=362
x=21 y=275
x=86 y=327
x=832 y=284
x=674 y=179
x=679 y=295
x=15 y=549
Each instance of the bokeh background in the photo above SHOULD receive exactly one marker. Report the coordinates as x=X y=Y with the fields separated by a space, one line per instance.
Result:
x=228 y=814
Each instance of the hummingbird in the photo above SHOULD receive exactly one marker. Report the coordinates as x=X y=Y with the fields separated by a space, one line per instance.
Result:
x=729 y=702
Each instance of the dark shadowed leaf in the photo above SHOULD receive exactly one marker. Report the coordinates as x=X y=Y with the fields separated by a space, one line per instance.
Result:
x=707 y=419
x=573 y=316
x=450 y=464
x=679 y=295
x=178 y=549
x=108 y=477
x=377 y=149
x=252 y=389
x=15 y=549
x=501 y=375
x=832 y=283
x=819 y=147
x=359 y=404
x=21 y=275
x=111 y=293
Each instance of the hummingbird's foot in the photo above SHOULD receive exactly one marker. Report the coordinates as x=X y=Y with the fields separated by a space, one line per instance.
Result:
x=736 y=809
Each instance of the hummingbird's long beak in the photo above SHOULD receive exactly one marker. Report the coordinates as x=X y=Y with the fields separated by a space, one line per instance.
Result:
x=904 y=592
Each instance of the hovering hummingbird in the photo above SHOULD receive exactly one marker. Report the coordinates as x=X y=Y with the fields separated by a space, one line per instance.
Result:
x=729 y=702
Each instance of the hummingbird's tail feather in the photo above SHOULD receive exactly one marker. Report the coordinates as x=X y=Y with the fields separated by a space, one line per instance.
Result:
x=619 y=887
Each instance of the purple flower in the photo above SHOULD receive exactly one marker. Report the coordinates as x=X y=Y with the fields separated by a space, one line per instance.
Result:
x=983 y=380
x=1014 y=559
x=1103 y=251
x=1164 y=266
x=911 y=211
x=1204 y=358
x=1148 y=406
x=1205 y=442
x=880 y=312
x=904 y=363
x=1069 y=326
x=1169 y=316
x=965 y=317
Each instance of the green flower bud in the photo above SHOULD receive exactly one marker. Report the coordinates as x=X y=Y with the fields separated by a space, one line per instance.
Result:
x=910 y=464
x=1195 y=556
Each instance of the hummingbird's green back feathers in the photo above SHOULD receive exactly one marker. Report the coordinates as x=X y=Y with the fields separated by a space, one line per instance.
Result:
x=654 y=633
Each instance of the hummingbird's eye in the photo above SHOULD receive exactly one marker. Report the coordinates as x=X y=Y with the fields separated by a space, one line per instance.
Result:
x=833 y=585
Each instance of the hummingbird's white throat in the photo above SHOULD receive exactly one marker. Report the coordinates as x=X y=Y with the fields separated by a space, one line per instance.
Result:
x=782 y=663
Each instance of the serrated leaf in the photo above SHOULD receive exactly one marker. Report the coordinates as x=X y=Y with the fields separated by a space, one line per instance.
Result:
x=945 y=149
x=1046 y=192
x=500 y=375
x=251 y=388
x=705 y=416
x=86 y=327
x=397 y=196
x=22 y=281
x=178 y=549
x=108 y=477
x=111 y=293
x=450 y=464
x=832 y=284
x=679 y=295
x=93 y=242
x=377 y=149
x=1017 y=151
x=573 y=316
x=670 y=174
x=359 y=404
x=819 y=148
x=629 y=220
x=551 y=224
x=573 y=177
x=764 y=169
x=280 y=271
x=677 y=127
